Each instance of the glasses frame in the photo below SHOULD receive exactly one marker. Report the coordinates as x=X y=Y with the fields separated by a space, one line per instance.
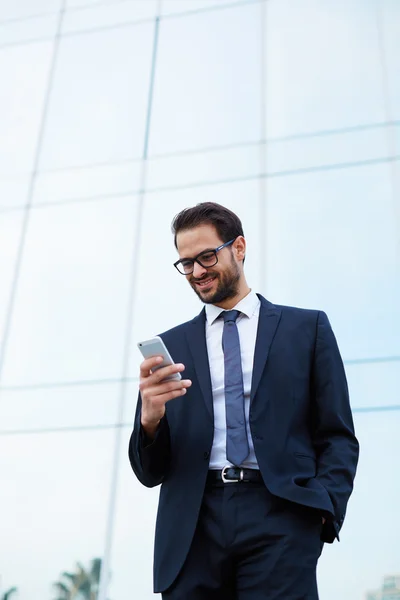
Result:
x=196 y=258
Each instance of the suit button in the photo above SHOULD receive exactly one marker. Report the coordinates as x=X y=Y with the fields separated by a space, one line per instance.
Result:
x=206 y=455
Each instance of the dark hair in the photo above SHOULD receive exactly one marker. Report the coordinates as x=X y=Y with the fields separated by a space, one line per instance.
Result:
x=227 y=224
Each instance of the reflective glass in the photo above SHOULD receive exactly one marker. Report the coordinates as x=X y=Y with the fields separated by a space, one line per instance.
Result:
x=82 y=4
x=87 y=183
x=350 y=569
x=53 y=506
x=325 y=73
x=331 y=244
x=59 y=407
x=70 y=4
x=108 y=15
x=70 y=313
x=23 y=75
x=374 y=384
x=23 y=31
x=10 y=236
x=13 y=192
x=99 y=98
x=389 y=11
x=171 y=7
x=328 y=149
x=23 y=9
x=199 y=167
x=133 y=541
x=207 y=93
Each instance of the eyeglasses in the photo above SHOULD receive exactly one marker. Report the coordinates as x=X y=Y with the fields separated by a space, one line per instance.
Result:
x=206 y=259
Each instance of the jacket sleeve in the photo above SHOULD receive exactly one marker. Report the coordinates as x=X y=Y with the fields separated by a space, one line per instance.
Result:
x=149 y=458
x=334 y=438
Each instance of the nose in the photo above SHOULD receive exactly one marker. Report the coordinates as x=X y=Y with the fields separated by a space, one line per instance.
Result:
x=198 y=271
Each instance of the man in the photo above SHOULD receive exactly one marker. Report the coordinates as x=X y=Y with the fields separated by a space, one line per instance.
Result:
x=255 y=446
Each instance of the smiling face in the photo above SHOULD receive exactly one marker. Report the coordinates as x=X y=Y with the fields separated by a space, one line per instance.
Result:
x=224 y=283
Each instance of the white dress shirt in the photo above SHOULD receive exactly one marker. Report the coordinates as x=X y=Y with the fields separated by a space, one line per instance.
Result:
x=247 y=323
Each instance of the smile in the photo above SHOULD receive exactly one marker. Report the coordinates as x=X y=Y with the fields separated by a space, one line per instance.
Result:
x=205 y=282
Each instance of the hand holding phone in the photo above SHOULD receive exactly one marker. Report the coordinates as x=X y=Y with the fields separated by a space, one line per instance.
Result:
x=156 y=347
x=160 y=382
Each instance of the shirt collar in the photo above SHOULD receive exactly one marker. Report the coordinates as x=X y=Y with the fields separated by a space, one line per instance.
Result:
x=247 y=305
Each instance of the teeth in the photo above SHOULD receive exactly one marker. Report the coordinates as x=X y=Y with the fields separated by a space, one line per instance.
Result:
x=205 y=282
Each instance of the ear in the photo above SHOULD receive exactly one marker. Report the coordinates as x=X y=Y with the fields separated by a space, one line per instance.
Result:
x=239 y=248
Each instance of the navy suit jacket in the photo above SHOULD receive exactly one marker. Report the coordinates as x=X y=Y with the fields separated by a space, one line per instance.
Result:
x=300 y=420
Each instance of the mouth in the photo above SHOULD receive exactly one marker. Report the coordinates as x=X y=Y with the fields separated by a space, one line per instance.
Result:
x=204 y=283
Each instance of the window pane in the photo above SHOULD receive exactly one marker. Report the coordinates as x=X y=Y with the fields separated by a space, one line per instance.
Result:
x=322 y=65
x=10 y=235
x=54 y=502
x=83 y=183
x=81 y=4
x=156 y=276
x=183 y=6
x=99 y=101
x=331 y=245
x=35 y=28
x=133 y=537
x=207 y=93
x=23 y=8
x=390 y=11
x=372 y=516
x=343 y=147
x=70 y=4
x=70 y=406
x=107 y=15
x=396 y=132
x=13 y=192
x=202 y=167
x=69 y=319
x=375 y=384
x=23 y=75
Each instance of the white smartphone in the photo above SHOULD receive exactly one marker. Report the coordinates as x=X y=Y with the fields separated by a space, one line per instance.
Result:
x=156 y=347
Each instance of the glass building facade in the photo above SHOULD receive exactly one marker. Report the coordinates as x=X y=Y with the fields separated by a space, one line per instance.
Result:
x=115 y=115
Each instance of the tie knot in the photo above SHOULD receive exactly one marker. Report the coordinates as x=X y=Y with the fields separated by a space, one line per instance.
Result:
x=230 y=315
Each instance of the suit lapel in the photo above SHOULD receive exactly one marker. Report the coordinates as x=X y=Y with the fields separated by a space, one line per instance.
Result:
x=196 y=338
x=267 y=324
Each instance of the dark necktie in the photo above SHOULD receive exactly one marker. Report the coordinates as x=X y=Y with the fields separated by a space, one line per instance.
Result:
x=237 y=445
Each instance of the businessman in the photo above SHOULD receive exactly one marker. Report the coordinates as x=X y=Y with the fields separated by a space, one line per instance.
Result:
x=254 y=447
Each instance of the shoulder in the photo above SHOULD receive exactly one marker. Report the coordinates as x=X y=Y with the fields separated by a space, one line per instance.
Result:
x=294 y=312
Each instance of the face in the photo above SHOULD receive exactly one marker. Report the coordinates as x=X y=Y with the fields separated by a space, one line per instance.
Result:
x=221 y=282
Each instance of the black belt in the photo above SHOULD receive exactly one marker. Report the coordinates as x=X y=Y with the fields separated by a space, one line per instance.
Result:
x=234 y=475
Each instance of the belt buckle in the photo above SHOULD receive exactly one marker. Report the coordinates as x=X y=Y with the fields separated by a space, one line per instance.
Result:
x=225 y=480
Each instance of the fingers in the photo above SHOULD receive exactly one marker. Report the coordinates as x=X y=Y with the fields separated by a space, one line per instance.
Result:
x=155 y=396
x=154 y=376
x=162 y=398
x=156 y=392
x=148 y=364
x=157 y=389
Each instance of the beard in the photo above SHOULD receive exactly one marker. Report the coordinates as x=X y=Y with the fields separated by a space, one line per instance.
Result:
x=227 y=285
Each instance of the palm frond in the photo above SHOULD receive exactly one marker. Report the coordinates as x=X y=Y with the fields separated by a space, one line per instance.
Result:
x=7 y=595
x=61 y=587
x=95 y=570
x=82 y=583
x=70 y=576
